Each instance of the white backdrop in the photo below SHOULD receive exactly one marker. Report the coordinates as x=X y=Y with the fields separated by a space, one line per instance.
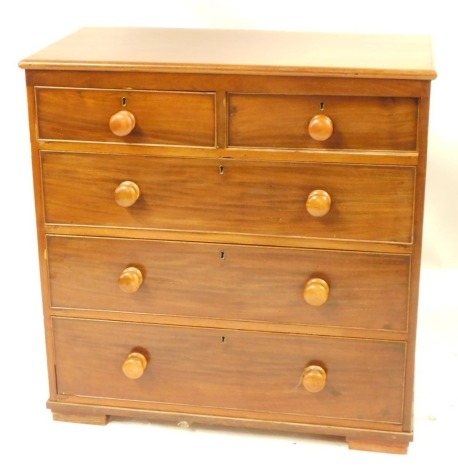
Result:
x=32 y=437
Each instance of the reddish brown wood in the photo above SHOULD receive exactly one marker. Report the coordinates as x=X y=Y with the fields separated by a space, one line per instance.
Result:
x=80 y=418
x=229 y=419
x=416 y=261
x=167 y=118
x=370 y=203
x=283 y=121
x=130 y=280
x=134 y=365
x=126 y=194
x=316 y=292
x=378 y=445
x=122 y=123
x=230 y=282
x=290 y=53
x=314 y=379
x=320 y=127
x=197 y=206
x=262 y=372
x=318 y=203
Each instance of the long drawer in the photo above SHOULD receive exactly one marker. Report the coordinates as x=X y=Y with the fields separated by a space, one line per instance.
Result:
x=230 y=369
x=277 y=285
x=369 y=203
x=161 y=117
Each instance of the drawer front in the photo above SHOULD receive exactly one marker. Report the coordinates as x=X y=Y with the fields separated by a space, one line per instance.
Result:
x=218 y=369
x=219 y=195
x=161 y=118
x=281 y=121
x=231 y=282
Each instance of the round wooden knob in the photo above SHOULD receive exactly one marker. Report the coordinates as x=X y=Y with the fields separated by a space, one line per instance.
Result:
x=316 y=292
x=134 y=365
x=130 y=280
x=320 y=127
x=314 y=379
x=122 y=123
x=318 y=203
x=126 y=194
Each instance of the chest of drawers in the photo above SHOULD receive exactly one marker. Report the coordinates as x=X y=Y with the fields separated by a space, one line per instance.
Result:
x=229 y=227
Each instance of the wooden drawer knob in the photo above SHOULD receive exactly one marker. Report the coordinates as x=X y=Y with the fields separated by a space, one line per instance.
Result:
x=134 y=365
x=314 y=379
x=318 y=203
x=122 y=123
x=130 y=280
x=126 y=194
x=316 y=292
x=320 y=127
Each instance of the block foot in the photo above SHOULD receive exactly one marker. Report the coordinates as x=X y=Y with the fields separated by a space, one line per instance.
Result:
x=80 y=418
x=378 y=446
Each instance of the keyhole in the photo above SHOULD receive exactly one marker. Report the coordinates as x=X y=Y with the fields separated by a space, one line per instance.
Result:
x=223 y=339
x=321 y=106
x=222 y=255
x=124 y=101
x=221 y=169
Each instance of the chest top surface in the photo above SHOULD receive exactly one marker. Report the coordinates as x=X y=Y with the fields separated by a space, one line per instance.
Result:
x=239 y=51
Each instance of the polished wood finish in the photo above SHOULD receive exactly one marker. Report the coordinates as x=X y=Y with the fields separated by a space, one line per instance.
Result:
x=130 y=280
x=374 y=445
x=314 y=379
x=175 y=196
x=358 y=123
x=204 y=280
x=134 y=365
x=126 y=194
x=316 y=292
x=241 y=288
x=364 y=377
x=122 y=123
x=258 y=52
x=80 y=418
x=318 y=203
x=320 y=127
x=162 y=118
x=174 y=417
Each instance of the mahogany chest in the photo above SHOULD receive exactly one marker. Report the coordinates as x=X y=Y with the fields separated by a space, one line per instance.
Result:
x=229 y=227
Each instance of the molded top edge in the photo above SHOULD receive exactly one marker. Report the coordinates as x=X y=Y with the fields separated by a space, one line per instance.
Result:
x=240 y=51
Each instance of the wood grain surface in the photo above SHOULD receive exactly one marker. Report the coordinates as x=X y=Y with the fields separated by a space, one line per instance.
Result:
x=278 y=121
x=186 y=230
x=230 y=282
x=166 y=118
x=232 y=369
x=370 y=203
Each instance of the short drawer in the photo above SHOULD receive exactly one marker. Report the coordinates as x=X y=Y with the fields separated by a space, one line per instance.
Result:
x=160 y=117
x=268 y=373
x=358 y=123
x=372 y=203
x=231 y=282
